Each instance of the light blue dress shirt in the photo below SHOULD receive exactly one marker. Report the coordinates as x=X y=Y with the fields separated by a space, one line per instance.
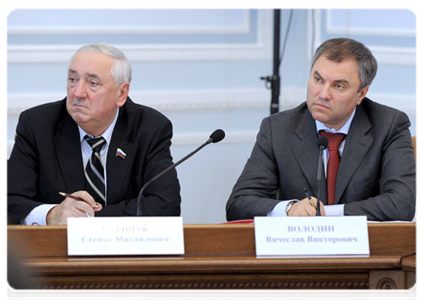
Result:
x=331 y=210
x=38 y=216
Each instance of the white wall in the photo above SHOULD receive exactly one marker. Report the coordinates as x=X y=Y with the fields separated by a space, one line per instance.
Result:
x=201 y=68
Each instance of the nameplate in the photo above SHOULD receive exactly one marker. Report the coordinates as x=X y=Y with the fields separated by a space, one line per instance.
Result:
x=312 y=236
x=126 y=236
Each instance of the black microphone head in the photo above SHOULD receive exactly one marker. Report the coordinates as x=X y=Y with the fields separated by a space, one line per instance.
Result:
x=322 y=142
x=217 y=135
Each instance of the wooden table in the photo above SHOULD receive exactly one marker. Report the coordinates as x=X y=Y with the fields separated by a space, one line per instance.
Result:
x=216 y=257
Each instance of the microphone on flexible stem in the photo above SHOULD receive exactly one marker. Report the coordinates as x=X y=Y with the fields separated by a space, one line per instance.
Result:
x=322 y=143
x=215 y=137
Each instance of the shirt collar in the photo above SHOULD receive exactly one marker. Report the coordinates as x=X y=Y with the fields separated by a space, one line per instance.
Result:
x=344 y=129
x=107 y=135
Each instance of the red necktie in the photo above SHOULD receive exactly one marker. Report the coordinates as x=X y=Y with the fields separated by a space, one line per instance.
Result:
x=335 y=140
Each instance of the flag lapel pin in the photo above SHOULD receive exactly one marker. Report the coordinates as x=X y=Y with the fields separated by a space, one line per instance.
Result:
x=120 y=153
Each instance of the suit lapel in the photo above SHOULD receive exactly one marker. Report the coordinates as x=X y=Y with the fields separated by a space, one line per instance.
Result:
x=357 y=144
x=305 y=150
x=69 y=156
x=118 y=162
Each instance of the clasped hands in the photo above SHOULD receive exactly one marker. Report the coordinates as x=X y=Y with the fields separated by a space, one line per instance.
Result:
x=306 y=207
x=71 y=208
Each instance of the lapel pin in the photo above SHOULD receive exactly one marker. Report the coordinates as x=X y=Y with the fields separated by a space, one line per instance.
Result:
x=120 y=153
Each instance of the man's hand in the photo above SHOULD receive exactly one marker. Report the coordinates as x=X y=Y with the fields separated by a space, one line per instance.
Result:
x=71 y=208
x=303 y=208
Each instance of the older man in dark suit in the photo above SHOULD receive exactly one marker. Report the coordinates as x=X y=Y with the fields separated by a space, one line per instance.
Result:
x=96 y=145
x=376 y=166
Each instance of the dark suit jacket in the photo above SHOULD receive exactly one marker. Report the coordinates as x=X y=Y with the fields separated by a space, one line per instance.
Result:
x=47 y=159
x=376 y=176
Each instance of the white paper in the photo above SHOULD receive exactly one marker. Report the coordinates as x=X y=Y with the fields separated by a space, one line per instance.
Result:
x=311 y=236
x=126 y=236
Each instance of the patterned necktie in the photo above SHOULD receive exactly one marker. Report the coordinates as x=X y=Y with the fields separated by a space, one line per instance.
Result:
x=94 y=171
x=335 y=140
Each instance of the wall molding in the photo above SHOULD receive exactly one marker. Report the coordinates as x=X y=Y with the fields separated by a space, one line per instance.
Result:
x=208 y=100
x=369 y=32
x=260 y=49
x=365 y=31
x=69 y=28
x=178 y=100
x=384 y=54
x=204 y=100
x=394 y=55
x=136 y=53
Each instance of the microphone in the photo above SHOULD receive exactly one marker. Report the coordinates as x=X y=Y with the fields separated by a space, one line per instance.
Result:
x=215 y=137
x=322 y=144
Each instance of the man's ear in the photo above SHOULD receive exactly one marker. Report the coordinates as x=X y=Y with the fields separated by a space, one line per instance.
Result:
x=362 y=94
x=123 y=93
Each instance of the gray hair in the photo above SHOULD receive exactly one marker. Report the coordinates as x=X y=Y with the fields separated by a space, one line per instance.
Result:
x=340 y=49
x=121 y=68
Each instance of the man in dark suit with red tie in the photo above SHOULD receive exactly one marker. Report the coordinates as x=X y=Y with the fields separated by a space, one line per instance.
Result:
x=374 y=173
x=96 y=145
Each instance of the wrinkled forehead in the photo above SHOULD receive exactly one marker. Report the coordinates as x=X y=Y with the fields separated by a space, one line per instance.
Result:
x=332 y=71
x=91 y=64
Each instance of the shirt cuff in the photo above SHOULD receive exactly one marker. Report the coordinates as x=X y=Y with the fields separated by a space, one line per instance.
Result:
x=38 y=216
x=334 y=210
x=280 y=209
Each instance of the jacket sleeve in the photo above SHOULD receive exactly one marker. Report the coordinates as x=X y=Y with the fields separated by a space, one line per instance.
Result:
x=396 y=199
x=254 y=194
x=22 y=168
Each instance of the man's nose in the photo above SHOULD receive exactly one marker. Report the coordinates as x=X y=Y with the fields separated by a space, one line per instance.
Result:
x=80 y=90
x=324 y=93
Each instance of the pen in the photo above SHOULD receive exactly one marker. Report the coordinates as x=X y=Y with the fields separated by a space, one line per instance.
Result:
x=70 y=196
x=309 y=197
x=73 y=197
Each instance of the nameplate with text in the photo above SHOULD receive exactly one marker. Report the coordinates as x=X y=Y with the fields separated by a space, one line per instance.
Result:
x=126 y=236
x=312 y=236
